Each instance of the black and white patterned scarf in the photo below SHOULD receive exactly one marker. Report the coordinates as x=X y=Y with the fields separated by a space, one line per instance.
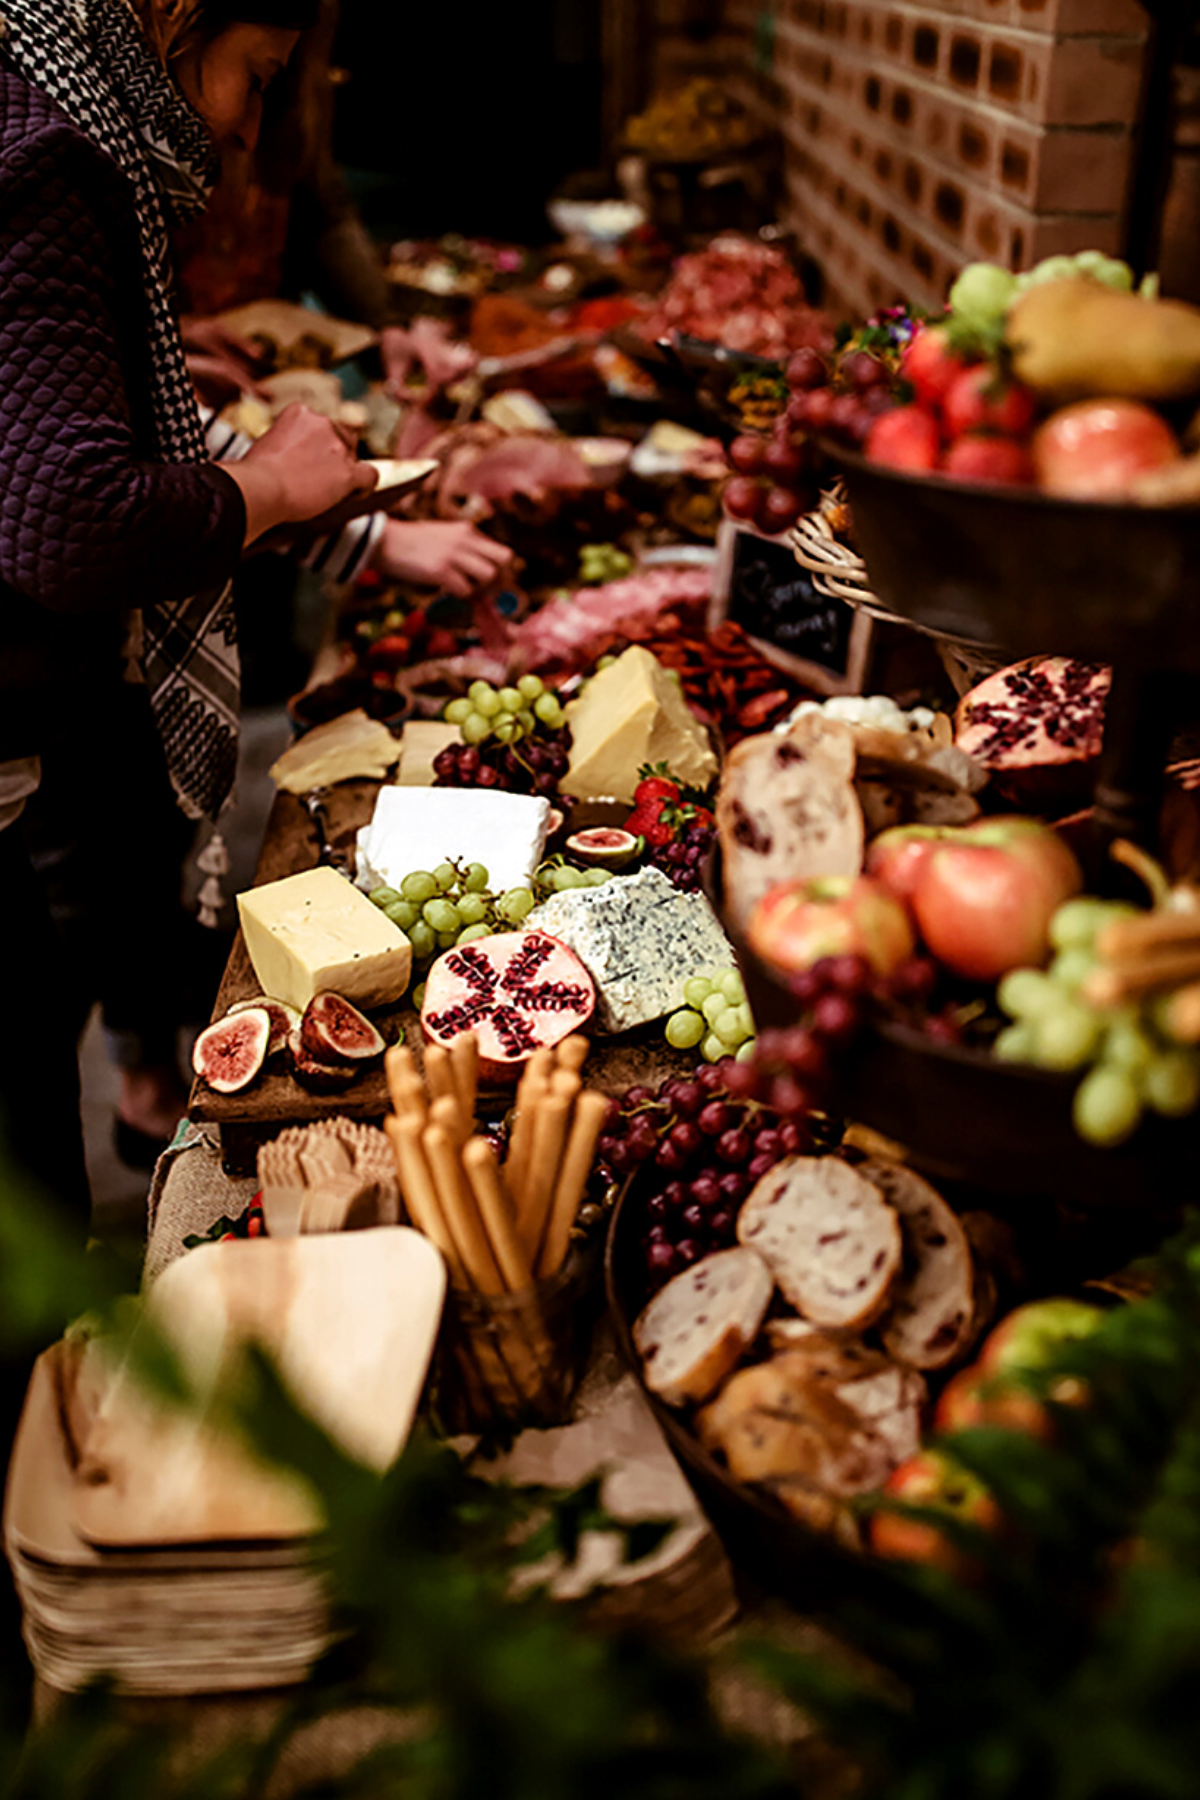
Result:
x=93 y=60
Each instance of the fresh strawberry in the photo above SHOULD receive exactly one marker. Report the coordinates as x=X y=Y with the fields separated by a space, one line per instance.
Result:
x=653 y=789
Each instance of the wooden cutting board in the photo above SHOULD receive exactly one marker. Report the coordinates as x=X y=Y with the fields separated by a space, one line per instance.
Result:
x=350 y=1321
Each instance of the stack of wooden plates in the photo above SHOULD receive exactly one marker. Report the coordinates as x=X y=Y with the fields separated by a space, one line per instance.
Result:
x=146 y=1546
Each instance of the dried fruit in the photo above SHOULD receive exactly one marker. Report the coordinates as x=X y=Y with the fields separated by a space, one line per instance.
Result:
x=1038 y=726
x=317 y=1076
x=606 y=846
x=333 y=1031
x=284 y=1019
x=229 y=1054
x=516 y=992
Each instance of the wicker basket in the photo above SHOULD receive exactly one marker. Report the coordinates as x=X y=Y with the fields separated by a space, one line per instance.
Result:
x=840 y=573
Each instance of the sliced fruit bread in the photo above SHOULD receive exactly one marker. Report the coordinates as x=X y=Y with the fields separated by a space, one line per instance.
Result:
x=931 y=1315
x=828 y=1236
x=697 y=1327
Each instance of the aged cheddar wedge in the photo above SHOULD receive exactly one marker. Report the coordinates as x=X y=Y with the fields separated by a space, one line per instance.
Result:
x=312 y=932
x=629 y=714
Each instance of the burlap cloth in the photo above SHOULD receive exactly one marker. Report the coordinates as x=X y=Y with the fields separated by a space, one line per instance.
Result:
x=190 y=1192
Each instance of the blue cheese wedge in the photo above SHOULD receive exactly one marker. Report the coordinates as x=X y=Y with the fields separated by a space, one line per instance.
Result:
x=640 y=939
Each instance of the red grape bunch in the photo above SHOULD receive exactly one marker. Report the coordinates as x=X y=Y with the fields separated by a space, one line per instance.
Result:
x=702 y=1148
x=534 y=766
x=775 y=477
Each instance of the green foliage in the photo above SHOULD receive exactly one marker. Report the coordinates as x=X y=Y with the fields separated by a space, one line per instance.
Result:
x=1070 y=1667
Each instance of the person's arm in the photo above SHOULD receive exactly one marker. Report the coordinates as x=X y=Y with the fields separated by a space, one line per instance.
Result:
x=87 y=522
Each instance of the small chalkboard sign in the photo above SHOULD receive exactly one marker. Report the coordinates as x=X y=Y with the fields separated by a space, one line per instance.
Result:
x=758 y=583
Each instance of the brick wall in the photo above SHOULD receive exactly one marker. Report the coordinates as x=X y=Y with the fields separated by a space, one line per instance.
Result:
x=919 y=137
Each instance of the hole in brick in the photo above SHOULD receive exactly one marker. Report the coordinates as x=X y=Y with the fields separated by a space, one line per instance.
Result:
x=936 y=130
x=839 y=196
x=1004 y=72
x=866 y=30
x=891 y=234
x=902 y=106
x=948 y=205
x=893 y=35
x=912 y=182
x=964 y=61
x=972 y=146
x=1014 y=166
x=1017 y=249
x=921 y=260
x=883 y=165
x=876 y=290
x=864 y=212
x=826 y=72
x=871 y=93
x=925 y=47
x=840 y=21
x=987 y=235
x=856 y=147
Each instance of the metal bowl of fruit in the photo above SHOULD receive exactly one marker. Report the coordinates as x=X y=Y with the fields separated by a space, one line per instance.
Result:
x=1026 y=569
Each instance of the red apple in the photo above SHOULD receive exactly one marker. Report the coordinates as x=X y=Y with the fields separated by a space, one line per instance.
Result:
x=976 y=1398
x=930 y=365
x=1029 y=1337
x=980 y=457
x=930 y=1479
x=1097 y=449
x=799 y=922
x=979 y=399
x=905 y=438
x=982 y=895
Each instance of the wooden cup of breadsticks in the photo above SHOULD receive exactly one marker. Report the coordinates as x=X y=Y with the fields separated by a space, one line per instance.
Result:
x=504 y=1229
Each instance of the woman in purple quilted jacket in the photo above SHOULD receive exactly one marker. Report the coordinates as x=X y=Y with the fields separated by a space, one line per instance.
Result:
x=113 y=115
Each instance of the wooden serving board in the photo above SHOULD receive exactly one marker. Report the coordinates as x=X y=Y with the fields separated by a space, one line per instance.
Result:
x=290 y=844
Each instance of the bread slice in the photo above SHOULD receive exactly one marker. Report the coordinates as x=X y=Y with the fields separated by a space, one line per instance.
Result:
x=843 y=1423
x=930 y=1320
x=787 y=811
x=694 y=1330
x=828 y=1236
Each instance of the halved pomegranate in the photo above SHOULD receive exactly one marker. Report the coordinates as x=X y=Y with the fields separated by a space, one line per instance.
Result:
x=1038 y=727
x=515 y=992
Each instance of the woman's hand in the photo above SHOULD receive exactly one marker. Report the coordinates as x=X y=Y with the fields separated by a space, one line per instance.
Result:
x=420 y=361
x=222 y=365
x=297 y=470
x=452 y=556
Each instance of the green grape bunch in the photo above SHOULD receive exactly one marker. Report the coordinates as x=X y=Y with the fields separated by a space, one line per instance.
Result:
x=714 y=1017
x=1127 y=1064
x=508 y=714
x=450 y=905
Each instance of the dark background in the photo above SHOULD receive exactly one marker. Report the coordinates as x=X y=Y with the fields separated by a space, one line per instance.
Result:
x=467 y=118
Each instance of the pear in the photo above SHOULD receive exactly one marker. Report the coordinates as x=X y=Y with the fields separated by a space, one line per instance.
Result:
x=1076 y=340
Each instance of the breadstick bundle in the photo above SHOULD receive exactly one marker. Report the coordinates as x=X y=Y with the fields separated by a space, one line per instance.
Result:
x=503 y=1229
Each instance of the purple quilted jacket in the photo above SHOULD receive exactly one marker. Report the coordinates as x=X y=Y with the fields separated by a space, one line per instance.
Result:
x=90 y=523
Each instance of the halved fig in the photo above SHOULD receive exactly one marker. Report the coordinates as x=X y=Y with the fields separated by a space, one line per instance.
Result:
x=333 y=1031
x=284 y=1019
x=605 y=846
x=317 y=1076
x=229 y=1053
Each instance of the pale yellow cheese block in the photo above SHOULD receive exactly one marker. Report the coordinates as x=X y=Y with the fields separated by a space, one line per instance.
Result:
x=630 y=714
x=420 y=741
x=314 y=932
x=351 y=747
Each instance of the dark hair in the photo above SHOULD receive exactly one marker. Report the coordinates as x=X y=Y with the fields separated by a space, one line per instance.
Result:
x=173 y=25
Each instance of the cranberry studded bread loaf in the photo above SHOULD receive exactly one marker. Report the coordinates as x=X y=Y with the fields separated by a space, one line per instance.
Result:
x=931 y=1316
x=829 y=1238
x=695 y=1329
x=787 y=811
